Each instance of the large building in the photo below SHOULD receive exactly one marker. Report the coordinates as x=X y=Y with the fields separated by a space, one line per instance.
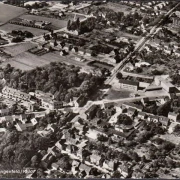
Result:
x=165 y=84
x=129 y=85
x=15 y=94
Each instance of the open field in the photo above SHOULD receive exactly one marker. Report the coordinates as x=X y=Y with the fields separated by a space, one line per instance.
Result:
x=113 y=94
x=8 y=12
x=56 y=24
x=117 y=7
x=27 y=61
x=9 y=27
x=18 y=48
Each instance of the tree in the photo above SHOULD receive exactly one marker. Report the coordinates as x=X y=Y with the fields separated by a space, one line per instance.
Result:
x=124 y=119
x=177 y=129
x=101 y=137
x=164 y=109
x=69 y=25
x=116 y=174
x=139 y=69
x=119 y=75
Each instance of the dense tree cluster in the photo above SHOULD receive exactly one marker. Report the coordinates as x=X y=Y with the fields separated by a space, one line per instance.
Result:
x=82 y=27
x=124 y=119
x=175 y=78
x=65 y=82
x=17 y=149
x=24 y=34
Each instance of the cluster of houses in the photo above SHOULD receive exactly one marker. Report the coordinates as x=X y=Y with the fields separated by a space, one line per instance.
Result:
x=74 y=142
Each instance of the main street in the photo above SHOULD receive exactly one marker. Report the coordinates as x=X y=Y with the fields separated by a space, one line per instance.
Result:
x=138 y=47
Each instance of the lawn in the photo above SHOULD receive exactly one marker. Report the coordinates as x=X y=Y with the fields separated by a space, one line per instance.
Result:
x=55 y=23
x=117 y=7
x=113 y=94
x=9 y=27
x=8 y=12
x=18 y=48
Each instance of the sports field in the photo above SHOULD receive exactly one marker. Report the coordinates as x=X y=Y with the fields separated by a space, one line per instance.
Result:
x=8 y=12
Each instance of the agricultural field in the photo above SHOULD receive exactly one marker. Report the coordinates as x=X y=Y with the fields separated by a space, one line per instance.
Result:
x=18 y=48
x=27 y=61
x=9 y=27
x=56 y=24
x=8 y=12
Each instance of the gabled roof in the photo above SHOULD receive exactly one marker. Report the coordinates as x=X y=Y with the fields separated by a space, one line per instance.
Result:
x=131 y=109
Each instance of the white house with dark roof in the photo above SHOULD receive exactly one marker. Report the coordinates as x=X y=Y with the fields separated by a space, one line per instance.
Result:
x=94 y=158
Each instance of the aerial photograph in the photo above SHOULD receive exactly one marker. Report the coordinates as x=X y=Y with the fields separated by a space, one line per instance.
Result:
x=90 y=89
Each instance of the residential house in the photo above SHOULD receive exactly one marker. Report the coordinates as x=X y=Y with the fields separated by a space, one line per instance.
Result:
x=52 y=127
x=80 y=101
x=142 y=115
x=164 y=121
x=95 y=159
x=91 y=112
x=138 y=174
x=47 y=160
x=53 y=150
x=166 y=85
x=129 y=85
x=75 y=49
x=174 y=116
x=71 y=149
x=69 y=116
x=131 y=111
x=44 y=133
x=61 y=144
x=110 y=165
x=172 y=127
x=34 y=121
x=153 y=118
x=84 y=170
x=81 y=51
x=63 y=52
x=51 y=104
x=124 y=170
x=15 y=94
x=66 y=47
x=75 y=167
x=23 y=127
x=79 y=153
x=177 y=53
x=55 y=166
x=88 y=52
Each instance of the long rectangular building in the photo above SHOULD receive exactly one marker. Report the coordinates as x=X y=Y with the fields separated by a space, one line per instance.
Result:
x=15 y=94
